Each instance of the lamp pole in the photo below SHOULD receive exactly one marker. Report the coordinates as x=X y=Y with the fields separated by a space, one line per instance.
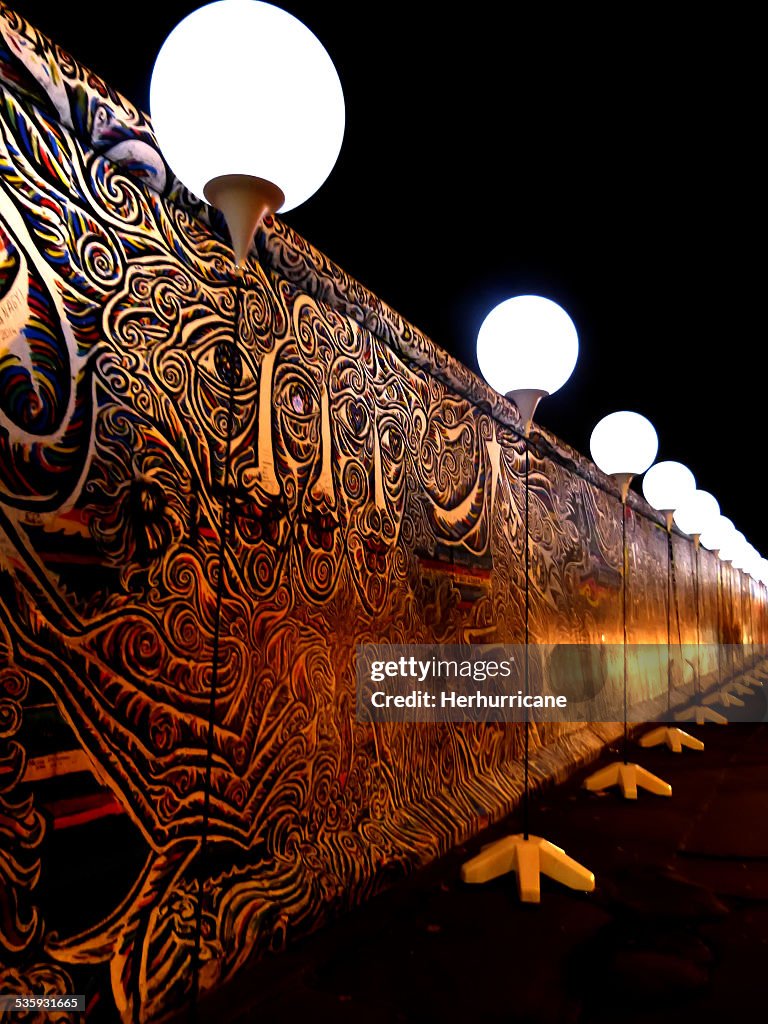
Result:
x=666 y=486
x=623 y=445
x=527 y=348
x=718 y=538
x=277 y=162
x=739 y=553
x=699 y=517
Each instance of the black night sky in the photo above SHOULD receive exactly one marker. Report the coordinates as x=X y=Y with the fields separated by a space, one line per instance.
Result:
x=604 y=156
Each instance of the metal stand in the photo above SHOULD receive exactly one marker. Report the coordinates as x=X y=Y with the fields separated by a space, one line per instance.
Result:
x=628 y=777
x=701 y=715
x=702 y=710
x=528 y=856
x=674 y=738
x=625 y=775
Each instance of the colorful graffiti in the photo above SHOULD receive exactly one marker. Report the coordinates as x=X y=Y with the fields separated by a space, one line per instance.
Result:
x=375 y=496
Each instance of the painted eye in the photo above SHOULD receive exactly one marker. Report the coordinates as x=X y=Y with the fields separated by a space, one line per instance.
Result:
x=229 y=365
x=392 y=442
x=358 y=416
x=299 y=399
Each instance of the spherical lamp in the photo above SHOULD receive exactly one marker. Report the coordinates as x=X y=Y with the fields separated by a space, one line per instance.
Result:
x=248 y=111
x=741 y=554
x=731 y=550
x=752 y=565
x=666 y=485
x=698 y=511
x=725 y=531
x=716 y=533
x=729 y=547
x=527 y=348
x=623 y=444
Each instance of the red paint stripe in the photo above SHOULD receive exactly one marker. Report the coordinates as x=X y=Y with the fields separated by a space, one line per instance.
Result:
x=455 y=570
x=79 y=811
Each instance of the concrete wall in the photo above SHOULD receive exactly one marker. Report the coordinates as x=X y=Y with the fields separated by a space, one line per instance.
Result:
x=148 y=804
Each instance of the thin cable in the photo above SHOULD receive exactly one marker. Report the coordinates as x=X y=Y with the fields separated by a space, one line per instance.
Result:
x=216 y=643
x=676 y=600
x=719 y=628
x=624 y=619
x=527 y=614
x=742 y=619
x=732 y=624
x=669 y=621
x=676 y=595
x=698 y=634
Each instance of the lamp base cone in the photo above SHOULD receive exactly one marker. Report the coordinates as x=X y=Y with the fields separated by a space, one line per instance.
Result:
x=529 y=858
x=244 y=200
x=623 y=480
x=628 y=777
x=674 y=738
x=527 y=400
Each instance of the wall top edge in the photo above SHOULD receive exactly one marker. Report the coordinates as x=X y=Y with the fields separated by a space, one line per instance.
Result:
x=37 y=70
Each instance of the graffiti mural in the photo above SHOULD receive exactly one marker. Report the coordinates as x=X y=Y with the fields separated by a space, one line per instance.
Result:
x=159 y=828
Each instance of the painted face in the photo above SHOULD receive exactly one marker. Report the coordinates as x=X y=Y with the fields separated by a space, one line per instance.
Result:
x=303 y=446
x=457 y=465
x=261 y=539
x=372 y=414
x=331 y=453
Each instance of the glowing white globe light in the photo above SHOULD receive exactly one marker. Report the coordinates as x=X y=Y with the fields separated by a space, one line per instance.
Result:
x=753 y=561
x=741 y=556
x=726 y=527
x=745 y=556
x=763 y=570
x=698 y=511
x=527 y=343
x=667 y=484
x=731 y=552
x=729 y=546
x=716 y=534
x=243 y=87
x=623 y=443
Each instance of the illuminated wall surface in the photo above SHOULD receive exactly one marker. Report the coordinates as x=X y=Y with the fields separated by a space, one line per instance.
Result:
x=377 y=496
